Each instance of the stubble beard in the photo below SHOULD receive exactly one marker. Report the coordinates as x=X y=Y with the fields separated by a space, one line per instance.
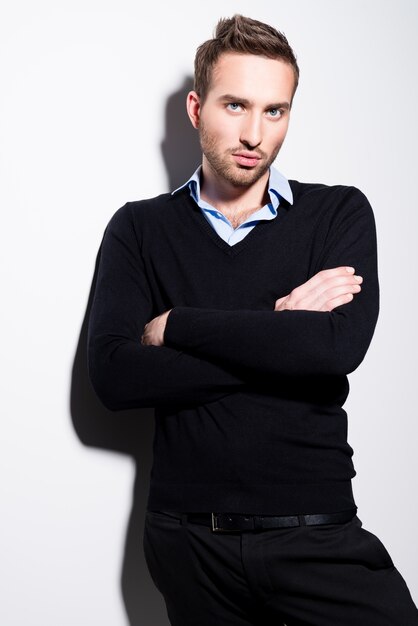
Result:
x=236 y=175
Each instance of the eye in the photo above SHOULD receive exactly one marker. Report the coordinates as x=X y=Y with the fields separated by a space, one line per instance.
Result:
x=233 y=106
x=275 y=112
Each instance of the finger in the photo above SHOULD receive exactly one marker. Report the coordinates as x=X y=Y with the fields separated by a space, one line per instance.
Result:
x=338 y=290
x=349 y=279
x=325 y=281
x=145 y=339
x=319 y=277
x=322 y=280
x=335 y=302
x=335 y=292
x=309 y=296
x=278 y=305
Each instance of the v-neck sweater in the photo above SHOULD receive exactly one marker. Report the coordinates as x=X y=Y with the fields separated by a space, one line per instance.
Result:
x=249 y=401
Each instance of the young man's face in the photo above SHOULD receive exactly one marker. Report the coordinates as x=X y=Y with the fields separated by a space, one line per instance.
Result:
x=244 y=119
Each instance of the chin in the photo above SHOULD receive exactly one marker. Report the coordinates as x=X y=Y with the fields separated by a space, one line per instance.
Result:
x=245 y=177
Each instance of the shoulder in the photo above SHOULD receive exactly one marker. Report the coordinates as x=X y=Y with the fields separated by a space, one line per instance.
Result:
x=158 y=208
x=329 y=201
x=318 y=192
x=134 y=215
x=136 y=208
x=150 y=219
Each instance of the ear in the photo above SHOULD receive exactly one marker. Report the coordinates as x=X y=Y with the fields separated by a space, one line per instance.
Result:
x=193 y=108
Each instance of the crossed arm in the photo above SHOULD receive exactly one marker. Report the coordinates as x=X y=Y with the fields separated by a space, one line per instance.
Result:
x=325 y=291
x=189 y=356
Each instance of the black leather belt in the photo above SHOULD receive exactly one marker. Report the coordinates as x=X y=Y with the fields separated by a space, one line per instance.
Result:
x=232 y=522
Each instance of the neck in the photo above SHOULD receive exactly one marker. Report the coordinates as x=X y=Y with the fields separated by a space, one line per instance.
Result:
x=227 y=197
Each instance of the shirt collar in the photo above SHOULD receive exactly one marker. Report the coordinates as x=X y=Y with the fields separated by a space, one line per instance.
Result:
x=278 y=187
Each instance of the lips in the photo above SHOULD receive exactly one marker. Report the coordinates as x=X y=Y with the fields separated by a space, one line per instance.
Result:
x=248 y=159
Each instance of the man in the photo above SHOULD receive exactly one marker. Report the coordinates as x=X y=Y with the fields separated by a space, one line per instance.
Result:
x=237 y=305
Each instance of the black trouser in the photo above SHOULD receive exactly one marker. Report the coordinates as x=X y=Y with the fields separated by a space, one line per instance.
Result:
x=330 y=575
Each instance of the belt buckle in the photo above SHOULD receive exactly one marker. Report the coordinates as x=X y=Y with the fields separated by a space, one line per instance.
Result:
x=215 y=527
x=222 y=529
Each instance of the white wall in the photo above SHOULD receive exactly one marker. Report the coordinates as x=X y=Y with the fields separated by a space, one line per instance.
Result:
x=89 y=92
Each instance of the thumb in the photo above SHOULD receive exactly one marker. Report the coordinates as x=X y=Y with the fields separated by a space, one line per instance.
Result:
x=280 y=304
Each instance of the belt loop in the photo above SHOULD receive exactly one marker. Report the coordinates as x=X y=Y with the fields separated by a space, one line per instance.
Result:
x=184 y=519
x=302 y=521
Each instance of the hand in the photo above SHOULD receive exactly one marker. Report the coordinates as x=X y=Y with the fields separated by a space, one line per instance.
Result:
x=153 y=334
x=323 y=292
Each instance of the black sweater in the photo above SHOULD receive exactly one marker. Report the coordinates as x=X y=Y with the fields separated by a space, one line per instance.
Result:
x=248 y=401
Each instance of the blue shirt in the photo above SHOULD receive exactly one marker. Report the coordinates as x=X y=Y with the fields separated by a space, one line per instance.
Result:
x=278 y=188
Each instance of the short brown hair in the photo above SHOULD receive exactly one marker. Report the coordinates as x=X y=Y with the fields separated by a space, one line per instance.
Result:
x=243 y=35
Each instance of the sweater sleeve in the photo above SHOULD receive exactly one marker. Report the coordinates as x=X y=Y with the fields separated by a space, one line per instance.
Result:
x=297 y=342
x=124 y=373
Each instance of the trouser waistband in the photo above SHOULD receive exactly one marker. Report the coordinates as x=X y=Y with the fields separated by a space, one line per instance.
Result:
x=233 y=522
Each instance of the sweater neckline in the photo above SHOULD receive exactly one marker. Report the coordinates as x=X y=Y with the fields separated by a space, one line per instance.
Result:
x=254 y=234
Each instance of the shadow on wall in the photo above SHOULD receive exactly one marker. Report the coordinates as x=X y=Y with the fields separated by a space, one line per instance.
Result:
x=131 y=432
x=180 y=147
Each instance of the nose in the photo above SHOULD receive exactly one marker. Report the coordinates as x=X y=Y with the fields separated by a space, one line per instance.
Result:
x=251 y=132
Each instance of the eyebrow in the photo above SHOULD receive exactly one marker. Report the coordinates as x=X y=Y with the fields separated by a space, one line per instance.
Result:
x=231 y=98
